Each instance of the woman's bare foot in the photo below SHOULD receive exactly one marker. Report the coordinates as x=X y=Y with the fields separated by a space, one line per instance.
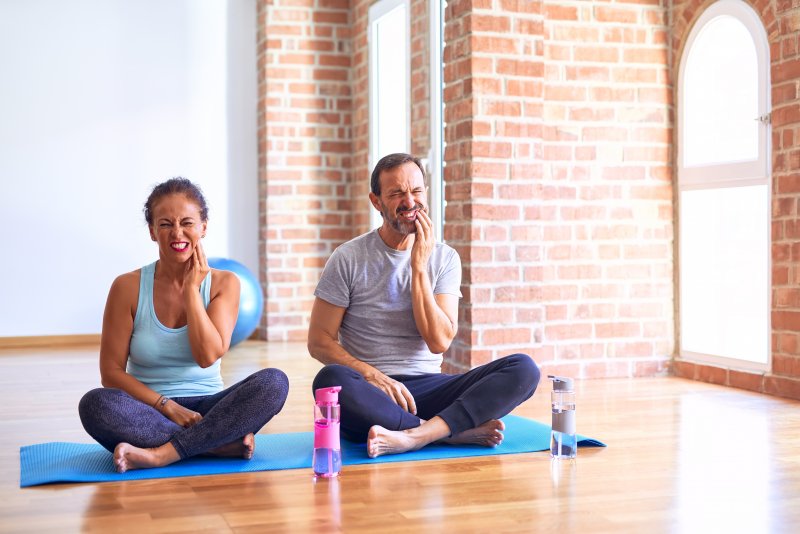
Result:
x=127 y=457
x=243 y=448
x=489 y=434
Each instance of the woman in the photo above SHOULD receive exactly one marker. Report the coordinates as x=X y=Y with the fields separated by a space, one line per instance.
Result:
x=166 y=327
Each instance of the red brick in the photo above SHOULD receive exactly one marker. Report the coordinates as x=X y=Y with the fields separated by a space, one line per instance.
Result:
x=489 y=315
x=614 y=369
x=565 y=92
x=517 y=67
x=618 y=329
x=596 y=54
x=712 y=374
x=613 y=14
x=782 y=386
x=745 y=380
x=657 y=56
x=517 y=294
x=494 y=45
x=684 y=369
x=658 y=367
x=556 y=332
x=640 y=349
x=509 y=109
x=331 y=17
x=481 y=275
x=505 y=336
x=490 y=23
x=557 y=12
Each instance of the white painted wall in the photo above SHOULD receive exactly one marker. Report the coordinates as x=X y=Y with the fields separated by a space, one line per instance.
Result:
x=99 y=101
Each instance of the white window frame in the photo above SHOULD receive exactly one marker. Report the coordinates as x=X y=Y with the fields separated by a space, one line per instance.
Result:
x=435 y=156
x=376 y=11
x=735 y=174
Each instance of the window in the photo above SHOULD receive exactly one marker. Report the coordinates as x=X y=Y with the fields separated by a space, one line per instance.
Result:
x=435 y=161
x=723 y=187
x=389 y=69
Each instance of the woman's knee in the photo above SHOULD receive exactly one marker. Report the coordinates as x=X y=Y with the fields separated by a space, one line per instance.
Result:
x=96 y=410
x=274 y=381
x=94 y=403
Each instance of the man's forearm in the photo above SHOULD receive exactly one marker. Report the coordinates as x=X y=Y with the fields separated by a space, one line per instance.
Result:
x=433 y=323
x=329 y=352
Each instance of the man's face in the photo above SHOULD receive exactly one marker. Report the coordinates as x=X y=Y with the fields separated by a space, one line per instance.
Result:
x=403 y=194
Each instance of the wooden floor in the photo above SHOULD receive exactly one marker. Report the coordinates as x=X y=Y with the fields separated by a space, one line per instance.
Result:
x=682 y=456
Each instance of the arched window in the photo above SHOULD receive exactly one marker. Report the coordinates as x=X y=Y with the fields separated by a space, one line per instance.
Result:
x=723 y=184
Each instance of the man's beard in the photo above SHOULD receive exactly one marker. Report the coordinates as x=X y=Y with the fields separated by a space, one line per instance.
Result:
x=399 y=225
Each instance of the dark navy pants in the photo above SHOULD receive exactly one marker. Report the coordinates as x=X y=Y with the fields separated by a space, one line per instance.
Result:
x=464 y=401
x=111 y=416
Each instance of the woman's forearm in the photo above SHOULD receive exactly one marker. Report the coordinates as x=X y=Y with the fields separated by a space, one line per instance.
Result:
x=206 y=342
x=120 y=379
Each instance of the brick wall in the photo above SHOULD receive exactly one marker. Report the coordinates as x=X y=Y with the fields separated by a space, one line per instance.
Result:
x=781 y=19
x=565 y=236
x=305 y=152
x=558 y=183
x=361 y=170
x=607 y=189
x=493 y=110
x=559 y=173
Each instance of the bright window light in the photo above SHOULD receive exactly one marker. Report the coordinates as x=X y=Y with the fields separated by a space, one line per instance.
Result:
x=724 y=190
x=389 y=82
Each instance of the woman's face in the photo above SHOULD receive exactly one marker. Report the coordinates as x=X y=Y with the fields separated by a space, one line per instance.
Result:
x=177 y=227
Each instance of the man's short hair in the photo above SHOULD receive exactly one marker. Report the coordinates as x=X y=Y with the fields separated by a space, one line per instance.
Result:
x=387 y=163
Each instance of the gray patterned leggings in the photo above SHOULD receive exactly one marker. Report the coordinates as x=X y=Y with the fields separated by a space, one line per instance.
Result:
x=111 y=416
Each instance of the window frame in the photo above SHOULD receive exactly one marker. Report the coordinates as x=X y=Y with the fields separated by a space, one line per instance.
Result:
x=718 y=176
x=436 y=162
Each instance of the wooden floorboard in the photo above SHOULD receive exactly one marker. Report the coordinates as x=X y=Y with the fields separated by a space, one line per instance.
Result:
x=682 y=456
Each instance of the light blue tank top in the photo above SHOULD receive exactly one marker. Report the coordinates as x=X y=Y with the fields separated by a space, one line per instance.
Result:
x=160 y=357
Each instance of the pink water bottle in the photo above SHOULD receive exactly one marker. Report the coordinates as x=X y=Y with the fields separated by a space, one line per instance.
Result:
x=327 y=459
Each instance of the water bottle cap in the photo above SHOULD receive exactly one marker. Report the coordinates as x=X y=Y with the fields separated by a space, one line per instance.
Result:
x=328 y=395
x=561 y=383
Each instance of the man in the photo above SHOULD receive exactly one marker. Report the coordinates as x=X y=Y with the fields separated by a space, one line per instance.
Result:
x=386 y=309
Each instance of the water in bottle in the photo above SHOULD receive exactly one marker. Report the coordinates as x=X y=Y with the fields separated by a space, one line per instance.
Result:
x=327 y=458
x=563 y=438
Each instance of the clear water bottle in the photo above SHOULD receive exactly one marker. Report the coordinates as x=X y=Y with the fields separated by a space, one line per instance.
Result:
x=563 y=439
x=327 y=459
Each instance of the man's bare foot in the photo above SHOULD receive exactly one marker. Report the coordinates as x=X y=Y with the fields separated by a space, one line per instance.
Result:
x=489 y=434
x=381 y=441
x=127 y=457
x=243 y=448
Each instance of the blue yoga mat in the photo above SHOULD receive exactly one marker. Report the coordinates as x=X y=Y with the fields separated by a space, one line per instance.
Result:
x=47 y=463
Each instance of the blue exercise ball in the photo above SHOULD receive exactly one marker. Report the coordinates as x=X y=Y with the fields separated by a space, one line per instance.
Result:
x=251 y=300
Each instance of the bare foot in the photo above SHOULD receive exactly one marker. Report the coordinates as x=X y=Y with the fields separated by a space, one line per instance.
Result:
x=127 y=457
x=489 y=434
x=381 y=441
x=237 y=449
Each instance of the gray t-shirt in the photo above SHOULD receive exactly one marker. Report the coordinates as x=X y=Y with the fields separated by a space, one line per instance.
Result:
x=373 y=282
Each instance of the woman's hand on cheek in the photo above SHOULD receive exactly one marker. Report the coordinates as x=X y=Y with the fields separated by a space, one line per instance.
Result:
x=196 y=267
